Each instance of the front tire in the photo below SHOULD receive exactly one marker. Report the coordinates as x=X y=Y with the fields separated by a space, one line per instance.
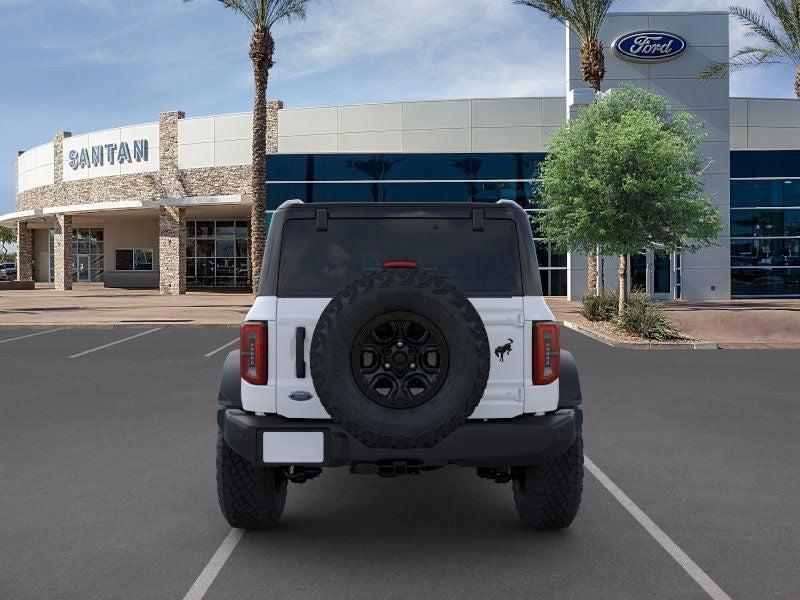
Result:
x=250 y=497
x=548 y=496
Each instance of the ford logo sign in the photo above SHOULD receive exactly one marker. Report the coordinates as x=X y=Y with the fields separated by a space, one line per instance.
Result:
x=301 y=396
x=649 y=46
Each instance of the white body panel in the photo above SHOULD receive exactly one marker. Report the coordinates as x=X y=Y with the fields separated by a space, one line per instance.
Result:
x=509 y=393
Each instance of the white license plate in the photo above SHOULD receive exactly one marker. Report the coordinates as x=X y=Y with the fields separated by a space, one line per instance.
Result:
x=293 y=447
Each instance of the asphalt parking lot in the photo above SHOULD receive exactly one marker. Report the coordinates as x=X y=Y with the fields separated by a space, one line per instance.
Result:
x=107 y=485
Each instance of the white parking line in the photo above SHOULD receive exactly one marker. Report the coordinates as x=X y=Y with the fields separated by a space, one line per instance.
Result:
x=214 y=566
x=688 y=565
x=213 y=352
x=115 y=343
x=22 y=337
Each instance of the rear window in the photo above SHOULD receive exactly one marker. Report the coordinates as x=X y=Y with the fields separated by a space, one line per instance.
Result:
x=320 y=263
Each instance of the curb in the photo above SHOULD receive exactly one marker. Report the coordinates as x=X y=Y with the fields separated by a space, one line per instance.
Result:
x=640 y=345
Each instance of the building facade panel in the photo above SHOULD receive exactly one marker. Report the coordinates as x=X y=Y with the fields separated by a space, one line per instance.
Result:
x=437 y=140
x=554 y=112
x=371 y=141
x=370 y=117
x=512 y=112
x=308 y=121
x=440 y=114
x=234 y=127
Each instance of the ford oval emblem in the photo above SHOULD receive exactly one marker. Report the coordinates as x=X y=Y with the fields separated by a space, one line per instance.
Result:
x=301 y=396
x=649 y=46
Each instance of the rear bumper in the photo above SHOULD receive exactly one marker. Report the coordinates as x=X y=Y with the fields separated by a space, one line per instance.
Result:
x=524 y=440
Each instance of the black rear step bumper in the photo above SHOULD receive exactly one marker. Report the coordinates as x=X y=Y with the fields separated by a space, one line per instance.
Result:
x=524 y=440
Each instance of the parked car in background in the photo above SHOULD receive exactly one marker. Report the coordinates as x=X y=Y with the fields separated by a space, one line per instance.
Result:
x=8 y=271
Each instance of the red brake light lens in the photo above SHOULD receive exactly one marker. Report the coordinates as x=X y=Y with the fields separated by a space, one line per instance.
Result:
x=546 y=353
x=253 y=353
x=399 y=264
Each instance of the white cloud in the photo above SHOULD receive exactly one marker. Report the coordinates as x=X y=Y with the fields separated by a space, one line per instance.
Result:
x=422 y=48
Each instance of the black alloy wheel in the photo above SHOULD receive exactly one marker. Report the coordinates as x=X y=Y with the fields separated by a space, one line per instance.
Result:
x=400 y=359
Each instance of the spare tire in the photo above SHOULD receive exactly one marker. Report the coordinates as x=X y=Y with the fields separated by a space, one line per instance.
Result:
x=400 y=359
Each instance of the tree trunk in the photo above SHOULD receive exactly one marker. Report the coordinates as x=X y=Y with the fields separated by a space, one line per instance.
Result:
x=797 y=84
x=593 y=67
x=262 y=48
x=601 y=275
x=593 y=70
x=623 y=282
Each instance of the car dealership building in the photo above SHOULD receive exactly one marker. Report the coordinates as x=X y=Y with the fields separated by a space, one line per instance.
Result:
x=166 y=205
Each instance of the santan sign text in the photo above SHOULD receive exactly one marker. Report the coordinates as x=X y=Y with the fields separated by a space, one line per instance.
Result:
x=97 y=156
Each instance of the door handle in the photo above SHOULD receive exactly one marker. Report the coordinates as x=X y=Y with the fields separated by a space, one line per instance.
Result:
x=299 y=352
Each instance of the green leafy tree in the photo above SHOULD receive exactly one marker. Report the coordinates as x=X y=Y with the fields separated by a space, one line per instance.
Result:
x=584 y=19
x=626 y=174
x=778 y=40
x=8 y=236
x=263 y=15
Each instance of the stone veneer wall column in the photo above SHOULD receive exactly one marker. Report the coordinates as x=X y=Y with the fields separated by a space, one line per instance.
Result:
x=171 y=250
x=171 y=219
x=24 y=252
x=62 y=249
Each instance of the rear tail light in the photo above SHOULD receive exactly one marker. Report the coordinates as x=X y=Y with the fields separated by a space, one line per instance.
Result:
x=253 y=353
x=546 y=353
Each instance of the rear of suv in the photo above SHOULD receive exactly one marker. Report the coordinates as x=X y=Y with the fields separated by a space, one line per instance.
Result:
x=395 y=339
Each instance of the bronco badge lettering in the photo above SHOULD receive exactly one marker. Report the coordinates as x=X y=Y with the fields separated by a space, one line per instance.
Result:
x=501 y=351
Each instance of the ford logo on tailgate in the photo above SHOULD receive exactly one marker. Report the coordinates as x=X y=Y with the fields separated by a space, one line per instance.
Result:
x=301 y=396
x=649 y=46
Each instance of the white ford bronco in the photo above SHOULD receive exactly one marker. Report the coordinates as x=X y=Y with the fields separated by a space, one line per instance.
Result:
x=395 y=339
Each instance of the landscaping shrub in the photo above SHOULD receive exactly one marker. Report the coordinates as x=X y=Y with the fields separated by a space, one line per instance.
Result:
x=602 y=307
x=644 y=317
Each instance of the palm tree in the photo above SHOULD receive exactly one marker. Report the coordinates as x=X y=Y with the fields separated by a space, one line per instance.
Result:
x=584 y=19
x=470 y=167
x=780 y=41
x=263 y=15
x=376 y=168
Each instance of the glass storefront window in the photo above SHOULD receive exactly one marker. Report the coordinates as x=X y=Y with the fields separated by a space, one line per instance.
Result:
x=765 y=240
x=768 y=193
x=402 y=167
x=87 y=255
x=218 y=254
x=765 y=282
x=133 y=259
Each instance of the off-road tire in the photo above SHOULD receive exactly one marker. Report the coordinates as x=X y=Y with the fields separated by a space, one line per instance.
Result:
x=383 y=292
x=548 y=496
x=250 y=497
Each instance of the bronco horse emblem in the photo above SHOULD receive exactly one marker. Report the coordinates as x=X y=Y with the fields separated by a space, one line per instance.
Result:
x=501 y=351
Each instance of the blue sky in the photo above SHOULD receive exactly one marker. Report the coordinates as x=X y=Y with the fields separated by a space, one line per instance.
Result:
x=84 y=65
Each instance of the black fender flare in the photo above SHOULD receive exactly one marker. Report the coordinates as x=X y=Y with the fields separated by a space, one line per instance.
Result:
x=569 y=384
x=230 y=384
